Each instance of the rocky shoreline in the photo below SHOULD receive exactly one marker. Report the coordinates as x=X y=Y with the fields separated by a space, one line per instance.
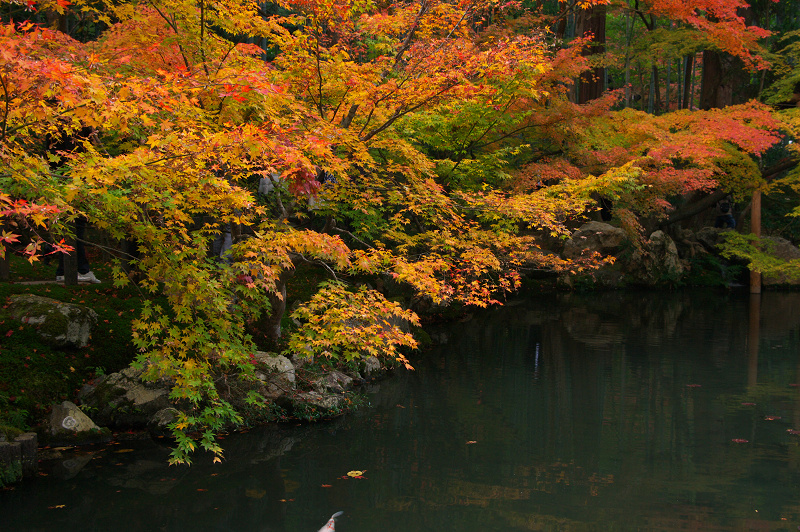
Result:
x=124 y=401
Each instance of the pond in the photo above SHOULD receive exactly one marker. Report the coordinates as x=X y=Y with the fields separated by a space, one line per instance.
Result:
x=626 y=411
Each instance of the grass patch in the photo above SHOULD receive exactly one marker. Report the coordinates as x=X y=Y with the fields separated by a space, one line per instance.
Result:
x=34 y=375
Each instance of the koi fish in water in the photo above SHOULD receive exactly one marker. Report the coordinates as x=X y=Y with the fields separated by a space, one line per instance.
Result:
x=331 y=523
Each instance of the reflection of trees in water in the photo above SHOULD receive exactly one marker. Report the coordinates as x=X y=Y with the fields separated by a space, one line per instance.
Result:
x=581 y=414
x=612 y=399
x=130 y=487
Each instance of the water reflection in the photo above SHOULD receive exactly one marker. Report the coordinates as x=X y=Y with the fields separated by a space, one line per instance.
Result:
x=566 y=412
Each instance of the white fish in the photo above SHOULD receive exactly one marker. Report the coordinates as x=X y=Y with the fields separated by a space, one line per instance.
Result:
x=331 y=523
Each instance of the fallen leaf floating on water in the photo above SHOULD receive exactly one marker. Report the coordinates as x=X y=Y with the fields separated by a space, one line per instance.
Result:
x=470 y=442
x=356 y=474
x=693 y=385
x=748 y=404
x=57 y=506
x=771 y=418
x=794 y=432
x=327 y=486
x=739 y=440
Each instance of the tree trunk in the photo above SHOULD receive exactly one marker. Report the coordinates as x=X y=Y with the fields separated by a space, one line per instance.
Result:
x=713 y=94
x=592 y=22
x=688 y=81
x=629 y=22
x=5 y=270
x=270 y=324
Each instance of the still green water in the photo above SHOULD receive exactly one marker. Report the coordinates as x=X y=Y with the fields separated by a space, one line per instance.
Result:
x=618 y=411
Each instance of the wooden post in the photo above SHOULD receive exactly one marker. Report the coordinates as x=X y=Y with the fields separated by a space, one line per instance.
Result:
x=755 y=229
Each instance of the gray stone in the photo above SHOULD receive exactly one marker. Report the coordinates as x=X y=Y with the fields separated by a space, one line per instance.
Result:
x=67 y=419
x=371 y=367
x=60 y=324
x=657 y=263
x=276 y=372
x=335 y=382
x=689 y=247
x=784 y=250
x=328 y=403
x=123 y=399
x=594 y=237
x=710 y=237
x=159 y=423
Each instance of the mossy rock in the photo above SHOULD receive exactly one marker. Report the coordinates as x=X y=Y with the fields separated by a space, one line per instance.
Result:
x=57 y=323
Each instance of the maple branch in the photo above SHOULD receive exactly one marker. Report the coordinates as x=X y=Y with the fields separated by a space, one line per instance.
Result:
x=768 y=174
x=318 y=263
x=174 y=26
x=473 y=144
x=225 y=56
x=202 y=36
x=351 y=113
x=406 y=44
x=402 y=112
x=397 y=114
x=30 y=123
x=319 y=77
x=781 y=166
x=354 y=237
x=695 y=208
x=6 y=99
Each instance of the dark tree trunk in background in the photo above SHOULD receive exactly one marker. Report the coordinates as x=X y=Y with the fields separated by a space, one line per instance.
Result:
x=592 y=22
x=5 y=270
x=688 y=75
x=270 y=324
x=726 y=79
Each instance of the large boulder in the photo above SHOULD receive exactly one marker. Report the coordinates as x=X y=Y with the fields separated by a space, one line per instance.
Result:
x=657 y=262
x=315 y=405
x=333 y=382
x=58 y=323
x=69 y=425
x=782 y=249
x=711 y=237
x=124 y=400
x=276 y=372
x=371 y=368
x=595 y=237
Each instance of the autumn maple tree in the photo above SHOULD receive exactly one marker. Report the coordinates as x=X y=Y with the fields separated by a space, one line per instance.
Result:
x=187 y=118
